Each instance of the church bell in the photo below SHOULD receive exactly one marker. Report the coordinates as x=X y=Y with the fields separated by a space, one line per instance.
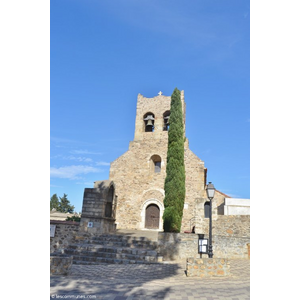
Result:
x=149 y=118
x=149 y=123
x=167 y=120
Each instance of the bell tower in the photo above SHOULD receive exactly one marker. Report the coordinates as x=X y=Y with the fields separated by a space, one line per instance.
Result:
x=152 y=117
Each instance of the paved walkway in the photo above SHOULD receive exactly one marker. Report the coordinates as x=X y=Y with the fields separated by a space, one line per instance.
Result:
x=156 y=281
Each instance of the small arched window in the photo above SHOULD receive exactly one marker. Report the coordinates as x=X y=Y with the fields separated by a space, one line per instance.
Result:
x=166 y=124
x=155 y=164
x=206 y=209
x=149 y=120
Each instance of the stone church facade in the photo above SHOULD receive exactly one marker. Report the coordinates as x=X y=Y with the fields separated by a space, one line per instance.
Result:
x=132 y=197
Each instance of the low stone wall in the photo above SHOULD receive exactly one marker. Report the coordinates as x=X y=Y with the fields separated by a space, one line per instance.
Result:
x=65 y=233
x=238 y=226
x=230 y=246
x=207 y=267
x=179 y=246
x=60 y=264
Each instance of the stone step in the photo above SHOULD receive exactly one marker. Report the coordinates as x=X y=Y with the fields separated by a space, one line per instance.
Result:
x=113 y=248
x=115 y=255
x=81 y=259
x=119 y=236
x=116 y=238
x=133 y=244
x=121 y=241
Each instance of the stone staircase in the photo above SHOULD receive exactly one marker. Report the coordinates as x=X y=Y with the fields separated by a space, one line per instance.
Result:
x=113 y=249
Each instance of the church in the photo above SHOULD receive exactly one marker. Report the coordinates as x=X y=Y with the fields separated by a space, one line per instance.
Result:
x=133 y=196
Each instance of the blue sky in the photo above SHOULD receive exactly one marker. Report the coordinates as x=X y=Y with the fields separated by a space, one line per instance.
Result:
x=103 y=53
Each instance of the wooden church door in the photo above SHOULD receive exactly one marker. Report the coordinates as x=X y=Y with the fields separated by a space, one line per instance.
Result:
x=152 y=217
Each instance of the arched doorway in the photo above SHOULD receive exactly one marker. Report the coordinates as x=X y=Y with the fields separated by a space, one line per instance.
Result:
x=152 y=217
x=144 y=207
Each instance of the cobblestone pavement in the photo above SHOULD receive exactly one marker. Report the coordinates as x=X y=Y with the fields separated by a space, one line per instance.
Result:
x=156 y=281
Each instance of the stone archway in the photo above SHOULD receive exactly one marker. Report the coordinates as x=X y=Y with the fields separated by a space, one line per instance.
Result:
x=152 y=206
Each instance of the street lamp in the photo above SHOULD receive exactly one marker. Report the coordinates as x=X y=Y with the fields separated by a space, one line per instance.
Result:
x=210 y=190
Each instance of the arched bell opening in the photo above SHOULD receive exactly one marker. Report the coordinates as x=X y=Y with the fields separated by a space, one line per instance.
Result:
x=149 y=120
x=166 y=117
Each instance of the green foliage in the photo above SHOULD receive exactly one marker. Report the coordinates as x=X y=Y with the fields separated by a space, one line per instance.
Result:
x=54 y=202
x=175 y=179
x=172 y=220
x=65 y=205
x=62 y=205
x=73 y=218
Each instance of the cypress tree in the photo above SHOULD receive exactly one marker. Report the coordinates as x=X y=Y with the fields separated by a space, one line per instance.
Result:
x=175 y=178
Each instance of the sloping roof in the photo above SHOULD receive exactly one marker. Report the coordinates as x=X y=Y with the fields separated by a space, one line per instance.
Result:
x=58 y=215
x=226 y=196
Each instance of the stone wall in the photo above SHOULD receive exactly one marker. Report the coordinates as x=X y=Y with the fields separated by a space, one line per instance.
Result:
x=221 y=223
x=231 y=247
x=230 y=239
x=100 y=225
x=136 y=184
x=231 y=234
x=201 y=223
x=207 y=267
x=194 y=186
x=98 y=208
x=228 y=226
x=60 y=264
x=177 y=246
x=65 y=233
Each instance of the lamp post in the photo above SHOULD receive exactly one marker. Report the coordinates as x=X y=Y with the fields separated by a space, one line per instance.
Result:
x=210 y=190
